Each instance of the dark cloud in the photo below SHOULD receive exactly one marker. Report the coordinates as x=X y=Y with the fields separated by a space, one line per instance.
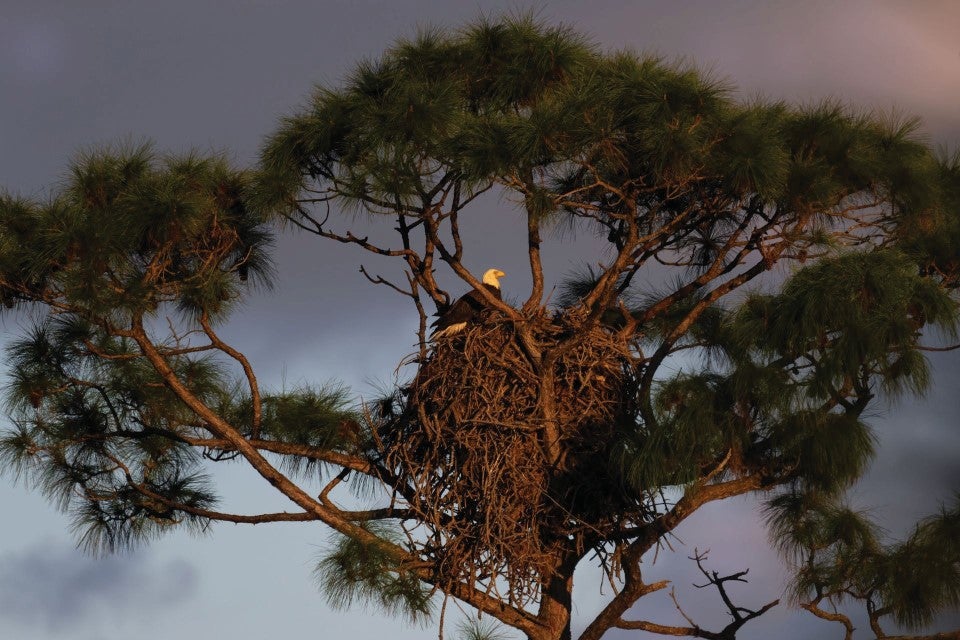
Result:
x=55 y=587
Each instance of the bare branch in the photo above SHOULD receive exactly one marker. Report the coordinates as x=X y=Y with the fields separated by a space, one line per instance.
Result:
x=381 y=280
x=348 y=238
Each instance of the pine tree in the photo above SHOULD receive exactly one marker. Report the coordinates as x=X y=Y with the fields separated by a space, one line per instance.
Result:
x=812 y=254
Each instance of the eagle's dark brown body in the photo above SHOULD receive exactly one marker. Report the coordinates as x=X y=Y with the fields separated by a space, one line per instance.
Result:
x=467 y=307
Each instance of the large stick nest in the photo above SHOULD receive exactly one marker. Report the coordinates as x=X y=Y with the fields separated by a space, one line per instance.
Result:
x=471 y=439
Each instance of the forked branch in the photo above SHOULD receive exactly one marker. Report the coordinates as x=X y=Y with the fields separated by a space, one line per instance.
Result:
x=741 y=615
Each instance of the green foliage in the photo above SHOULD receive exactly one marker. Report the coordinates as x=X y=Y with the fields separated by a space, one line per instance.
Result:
x=931 y=234
x=317 y=417
x=95 y=420
x=701 y=418
x=514 y=96
x=355 y=571
x=485 y=629
x=129 y=232
x=778 y=368
x=850 y=314
x=826 y=451
x=494 y=98
x=127 y=518
x=921 y=576
x=750 y=157
x=436 y=101
x=839 y=555
x=89 y=427
x=312 y=416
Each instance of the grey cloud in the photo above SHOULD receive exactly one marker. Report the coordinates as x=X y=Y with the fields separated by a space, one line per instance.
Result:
x=55 y=587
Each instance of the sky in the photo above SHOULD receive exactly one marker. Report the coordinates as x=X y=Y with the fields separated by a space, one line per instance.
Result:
x=218 y=76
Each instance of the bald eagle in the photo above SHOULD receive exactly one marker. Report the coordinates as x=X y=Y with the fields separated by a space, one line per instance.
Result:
x=467 y=307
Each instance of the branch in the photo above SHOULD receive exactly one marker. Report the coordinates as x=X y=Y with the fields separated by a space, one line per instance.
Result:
x=273 y=446
x=718 y=268
x=950 y=348
x=335 y=519
x=349 y=238
x=261 y=518
x=247 y=371
x=715 y=579
x=693 y=498
x=814 y=608
x=727 y=633
x=219 y=427
x=634 y=588
x=143 y=490
x=652 y=627
x=466 y=276
x=648 y=535
x=533 y=248
x=383 y=281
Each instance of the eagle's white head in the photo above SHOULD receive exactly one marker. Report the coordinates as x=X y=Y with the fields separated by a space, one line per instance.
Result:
x=492 y=277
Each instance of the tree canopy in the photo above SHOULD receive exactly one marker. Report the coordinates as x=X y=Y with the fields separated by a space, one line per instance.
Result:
x=806 y=256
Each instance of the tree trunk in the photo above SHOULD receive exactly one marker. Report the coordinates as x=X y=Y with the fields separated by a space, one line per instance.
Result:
x=556 y=602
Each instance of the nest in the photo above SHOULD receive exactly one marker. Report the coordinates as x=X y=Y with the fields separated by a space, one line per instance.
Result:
x=496 y=498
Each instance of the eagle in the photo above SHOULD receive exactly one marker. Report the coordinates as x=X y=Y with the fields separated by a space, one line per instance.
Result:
x=467 y=307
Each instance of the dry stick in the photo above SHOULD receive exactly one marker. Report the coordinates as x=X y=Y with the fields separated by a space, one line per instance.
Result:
x=381 y=280
x=950 y=348
x=695 y=630
x=443 y=614
x=676 y=603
